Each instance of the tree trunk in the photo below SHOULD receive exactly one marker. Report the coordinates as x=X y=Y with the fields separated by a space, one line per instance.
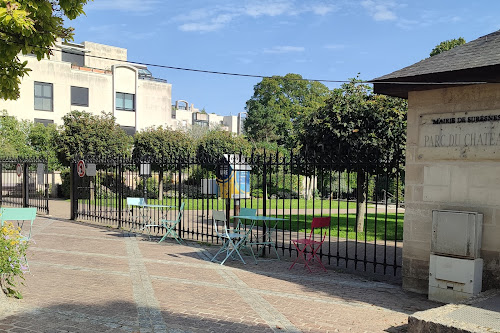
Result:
x=160 y=186
x=360 y=201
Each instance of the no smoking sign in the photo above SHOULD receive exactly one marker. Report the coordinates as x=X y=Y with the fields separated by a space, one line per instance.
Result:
x=80 y=168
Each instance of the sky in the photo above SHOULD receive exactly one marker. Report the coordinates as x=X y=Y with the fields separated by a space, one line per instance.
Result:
x=319 y=39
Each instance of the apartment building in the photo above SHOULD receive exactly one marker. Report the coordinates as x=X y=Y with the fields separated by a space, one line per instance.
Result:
x=185 y=115
x=91 y=77
x=94 y=78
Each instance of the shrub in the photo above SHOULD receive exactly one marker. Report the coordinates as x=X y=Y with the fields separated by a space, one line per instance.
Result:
x=12 y=257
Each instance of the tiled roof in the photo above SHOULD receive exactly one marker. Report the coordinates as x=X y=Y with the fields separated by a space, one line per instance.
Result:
x=482 y=52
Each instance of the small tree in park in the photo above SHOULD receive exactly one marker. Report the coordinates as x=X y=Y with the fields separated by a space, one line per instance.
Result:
x=371 y=129
x=162 y=144
x=85 y=134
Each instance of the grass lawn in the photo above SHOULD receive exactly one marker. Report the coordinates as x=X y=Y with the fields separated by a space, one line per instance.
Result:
x=197 y=204
x=339 y=226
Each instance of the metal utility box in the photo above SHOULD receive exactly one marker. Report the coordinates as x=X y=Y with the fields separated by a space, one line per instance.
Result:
x=453 y=280
x=456 y=234
x=455 y=269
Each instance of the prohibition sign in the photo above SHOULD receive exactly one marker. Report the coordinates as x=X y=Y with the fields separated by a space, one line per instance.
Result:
x=19 y=169
x=80 y=168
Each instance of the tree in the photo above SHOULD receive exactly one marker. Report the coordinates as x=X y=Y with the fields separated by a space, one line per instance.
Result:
x=212 y=147
x=14 y=137
x=447 y=45
x=369 y=129
x=88 y=135
x=160 y=144
x=42 y=139
x=30 y=27
x=277 y=102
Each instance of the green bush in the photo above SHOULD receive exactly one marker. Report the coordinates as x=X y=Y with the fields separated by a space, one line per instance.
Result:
x=66 y=183
x=12 y=258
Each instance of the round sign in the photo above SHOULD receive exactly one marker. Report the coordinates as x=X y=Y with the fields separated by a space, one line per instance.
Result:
x=80 y=168
x=19 y=169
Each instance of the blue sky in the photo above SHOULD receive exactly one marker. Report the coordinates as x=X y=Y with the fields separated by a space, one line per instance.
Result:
x=319 y=39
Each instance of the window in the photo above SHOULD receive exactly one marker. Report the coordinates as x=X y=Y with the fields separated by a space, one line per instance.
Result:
x=45 y=122
x=43 y=96
x=79 y=96
x=130 y=130
x=125 y=101
x=74 y=57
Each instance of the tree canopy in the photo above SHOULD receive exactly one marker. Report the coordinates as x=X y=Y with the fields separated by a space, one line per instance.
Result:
x=447 y=45
x=90 y=135
x=277 y=102
x=372 y=128
x=359 y=129
x=30 y=27
x=162 y=143
x=215 y=144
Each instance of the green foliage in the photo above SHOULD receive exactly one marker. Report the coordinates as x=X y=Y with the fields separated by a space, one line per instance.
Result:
x=276 y=104
x=42 y=140
x=66 y=183
x=85 y=134
x=30 y=26
x=370 y=128
x=447 y=45
x=14 y=137
x=12 y=257
x=215 y=144
x=162 y=144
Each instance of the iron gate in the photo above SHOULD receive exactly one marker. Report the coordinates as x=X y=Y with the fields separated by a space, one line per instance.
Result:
x=24 y=183
x=285 y=186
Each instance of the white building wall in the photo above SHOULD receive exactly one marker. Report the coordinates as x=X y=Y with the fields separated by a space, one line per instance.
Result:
x=152 y=98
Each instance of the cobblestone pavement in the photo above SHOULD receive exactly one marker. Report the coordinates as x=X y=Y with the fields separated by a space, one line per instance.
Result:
x=86 y=278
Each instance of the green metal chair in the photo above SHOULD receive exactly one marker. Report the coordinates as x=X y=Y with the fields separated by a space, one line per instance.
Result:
x=241 y=227
x=20 y=215
x=231 y=240
x=171 y=225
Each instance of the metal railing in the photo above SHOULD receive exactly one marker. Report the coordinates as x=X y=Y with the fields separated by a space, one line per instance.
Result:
x=24 y=183
x=366 y=232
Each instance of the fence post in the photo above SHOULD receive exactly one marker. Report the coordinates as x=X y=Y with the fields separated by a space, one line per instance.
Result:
x=73 y=191
x=25 y=191
x=264 y=195
x=120 y=191
x=180 y=195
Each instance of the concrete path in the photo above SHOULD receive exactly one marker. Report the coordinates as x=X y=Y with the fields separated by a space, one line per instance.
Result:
x=87 y=278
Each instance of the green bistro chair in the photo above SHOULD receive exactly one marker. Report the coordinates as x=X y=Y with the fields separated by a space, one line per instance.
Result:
x=20 y=215
x=171 y=225
x=242 y=227
x=231 y=240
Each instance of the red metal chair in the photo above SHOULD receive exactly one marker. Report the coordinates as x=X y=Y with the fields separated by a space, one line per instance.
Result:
x=305 y=244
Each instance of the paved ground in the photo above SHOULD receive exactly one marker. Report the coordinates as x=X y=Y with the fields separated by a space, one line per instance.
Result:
x=86 y=278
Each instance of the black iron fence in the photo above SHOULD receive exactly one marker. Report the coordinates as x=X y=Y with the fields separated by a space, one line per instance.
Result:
x=24 y=183
x=363 y=200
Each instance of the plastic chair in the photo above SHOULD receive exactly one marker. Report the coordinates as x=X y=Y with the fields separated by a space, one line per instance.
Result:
x=231 y=240
x=20 y=215
x=302 y=245
x=170 y=226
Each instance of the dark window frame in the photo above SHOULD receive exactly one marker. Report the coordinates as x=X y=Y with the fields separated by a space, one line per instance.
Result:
x=45 y=122
x=42 y=97
x=121 y=106
x=74 y=57
x=75 y=97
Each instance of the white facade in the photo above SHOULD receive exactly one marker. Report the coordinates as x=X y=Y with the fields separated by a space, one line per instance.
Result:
x=185 y=116
x=77 y=77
